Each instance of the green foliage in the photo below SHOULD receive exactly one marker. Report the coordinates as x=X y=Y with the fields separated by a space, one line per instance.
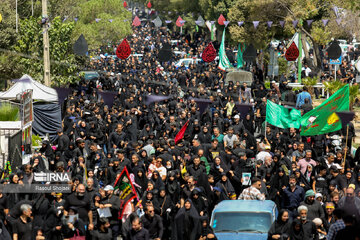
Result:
x=7 y=26
x=8 y=112
x=267 y=84
x=36 y=140
x=333 y=86
x=287 y=10
x=9 y=68
x=64 y=65
x=353 y=92
x=257 y=10
x=320 y=34
x=310 y=83
x=283 y=66
x=103 y=32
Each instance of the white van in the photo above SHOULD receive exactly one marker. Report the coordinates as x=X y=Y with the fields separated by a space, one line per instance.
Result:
x=187 y=61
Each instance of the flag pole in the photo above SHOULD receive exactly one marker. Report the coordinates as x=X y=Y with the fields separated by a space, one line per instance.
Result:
x=346 y=146
x=300 y=54
x=212 y=35
x=265 y=129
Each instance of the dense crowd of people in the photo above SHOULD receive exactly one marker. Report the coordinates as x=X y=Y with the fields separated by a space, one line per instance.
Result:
x=223 y=155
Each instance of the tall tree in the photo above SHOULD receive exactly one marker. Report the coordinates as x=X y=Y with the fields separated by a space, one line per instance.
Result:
x=104 y=31
x=64 y=65
x=285 y=10
x=9 y=69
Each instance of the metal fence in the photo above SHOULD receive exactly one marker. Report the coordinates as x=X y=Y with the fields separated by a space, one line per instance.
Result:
x=15 y=155
x=12 y=144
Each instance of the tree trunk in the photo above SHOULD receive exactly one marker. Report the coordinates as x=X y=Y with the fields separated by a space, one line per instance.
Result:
x=317 y=60
x=304 y=46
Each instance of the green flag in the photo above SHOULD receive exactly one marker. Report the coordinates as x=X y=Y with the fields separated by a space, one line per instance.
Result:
x=282 y=117
x=212 y=32
x=240 y=60
x=324 y=119
x=224 y=62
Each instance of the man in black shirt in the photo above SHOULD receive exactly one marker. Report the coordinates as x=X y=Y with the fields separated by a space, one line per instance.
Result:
x=137 y=232
x=320 y=183
x=113 y=203
x=153 y=223
x=81 y=201
x=22 y=227
x=4 y=206
x=63 y=141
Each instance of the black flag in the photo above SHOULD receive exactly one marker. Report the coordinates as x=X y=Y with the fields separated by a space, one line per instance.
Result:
x=334 y=50
x=165 y=53
x=80 y=46
x=249 y=54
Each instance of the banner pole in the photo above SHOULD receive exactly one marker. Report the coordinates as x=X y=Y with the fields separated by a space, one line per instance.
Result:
x=346 y=147
x=265 y=129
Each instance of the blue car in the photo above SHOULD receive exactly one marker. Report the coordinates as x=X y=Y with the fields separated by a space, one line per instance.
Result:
x=243 y=219
x=89 y=75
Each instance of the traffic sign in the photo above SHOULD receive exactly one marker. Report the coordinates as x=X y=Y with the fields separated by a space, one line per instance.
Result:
x=336 y=61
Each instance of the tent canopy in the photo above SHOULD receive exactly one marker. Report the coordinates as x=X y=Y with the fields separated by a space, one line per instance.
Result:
x=239 y=76
x=40 y=91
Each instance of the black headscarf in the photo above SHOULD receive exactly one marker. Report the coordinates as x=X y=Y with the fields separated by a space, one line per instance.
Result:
x=199 y=202
x=173 y=187
x=279 y=226
x=296 y=235
x=187 y=223
x=141 y=181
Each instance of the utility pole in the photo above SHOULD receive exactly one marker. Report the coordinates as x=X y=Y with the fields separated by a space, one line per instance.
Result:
x=46 y=44
x=17 y=21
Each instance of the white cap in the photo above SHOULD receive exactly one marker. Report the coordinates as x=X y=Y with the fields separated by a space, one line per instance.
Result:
x=108 y=188
x=337 y=166
x=317 y=221
x=318 y=195
x=236 y=116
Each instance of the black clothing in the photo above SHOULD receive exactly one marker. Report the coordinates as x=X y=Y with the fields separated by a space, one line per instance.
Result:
x=63 y=143
x=83 y=205
x=310 y=232
x=153 y=225
x=187 y=224
x=99 y=235
x=23 y=230
x=279 y=228
x=142 y=234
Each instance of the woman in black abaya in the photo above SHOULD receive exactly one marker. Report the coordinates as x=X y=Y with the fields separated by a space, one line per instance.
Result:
x=173 y=187
x=296 y=231
x=277 y=183
x=225 y=185
x=198 y=202
x=165 y=205
x=187 y=223
x=281 y=227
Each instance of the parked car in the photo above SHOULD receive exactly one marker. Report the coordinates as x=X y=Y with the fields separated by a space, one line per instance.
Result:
x=243 y=219
x=89 y=75
x=187 y=62
x=174 y=42
x=181 y=53
x=138 y=55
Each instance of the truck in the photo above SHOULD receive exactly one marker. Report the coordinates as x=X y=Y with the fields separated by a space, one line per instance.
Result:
x=243 y=219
